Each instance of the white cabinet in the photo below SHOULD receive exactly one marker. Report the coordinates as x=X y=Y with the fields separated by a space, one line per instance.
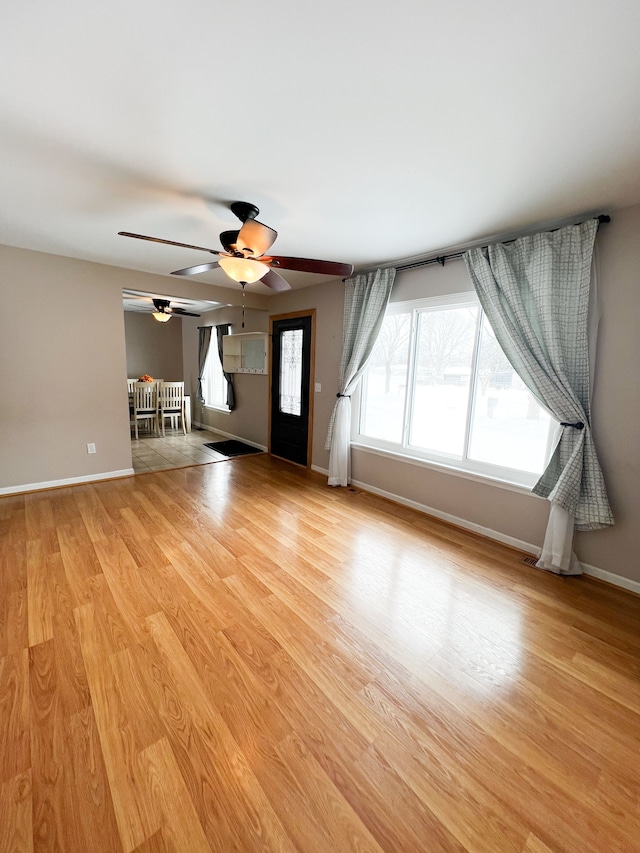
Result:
x=245 y=353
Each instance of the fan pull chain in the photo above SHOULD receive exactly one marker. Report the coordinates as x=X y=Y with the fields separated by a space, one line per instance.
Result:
x=244 y=284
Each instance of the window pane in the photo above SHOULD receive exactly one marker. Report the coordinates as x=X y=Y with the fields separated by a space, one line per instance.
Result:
x=508 y=428
x=214 y=385
x=443 y=370
x=291 y=372
x=385 y=386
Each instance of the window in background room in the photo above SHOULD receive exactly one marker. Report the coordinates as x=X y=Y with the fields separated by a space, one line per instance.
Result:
x=214 y=385
x=438 y=387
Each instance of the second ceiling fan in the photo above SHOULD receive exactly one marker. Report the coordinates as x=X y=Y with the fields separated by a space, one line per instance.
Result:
x=164 y=312
x=244 y=257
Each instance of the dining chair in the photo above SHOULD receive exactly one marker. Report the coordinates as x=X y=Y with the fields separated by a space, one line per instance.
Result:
x=145 y=405
x=171 y=404
x=130 y=384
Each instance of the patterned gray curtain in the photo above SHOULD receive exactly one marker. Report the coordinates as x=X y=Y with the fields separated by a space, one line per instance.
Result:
x=204 y=341
x=222 y=330
x=365 y=301
x=535 y=293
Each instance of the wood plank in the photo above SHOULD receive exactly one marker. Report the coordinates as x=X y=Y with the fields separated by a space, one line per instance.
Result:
x=15 y=716
x=237 y=658
x=179 y=822
x=14 y=622
x=39 y=594
x=16 y=827
x=38 y=515
x=326 y=670
x=222 y=818
x=341 y=826
x=128 y=595
x=476 y=820
x=80 y=562
x=56 y=824
x=93 y=513
x=135 y=813
x=376 y=790
x=530 y=799
x=155 y=844
x=90 y=784
x=252 y=810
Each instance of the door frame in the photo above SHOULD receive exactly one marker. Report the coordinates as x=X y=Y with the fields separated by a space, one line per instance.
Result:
x=292 y=315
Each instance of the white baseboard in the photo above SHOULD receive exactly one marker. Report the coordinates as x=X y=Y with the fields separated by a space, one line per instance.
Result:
x=519 y=544
x=609 y=577
x=69 y=481
x=204 y=427
x=229 y=435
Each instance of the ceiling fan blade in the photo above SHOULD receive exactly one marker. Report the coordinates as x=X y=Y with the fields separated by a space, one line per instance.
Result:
x=168 y=242
x=197 y=269
x=182 y=313
x=254 y=238
x=309 y=265
x=275 y=281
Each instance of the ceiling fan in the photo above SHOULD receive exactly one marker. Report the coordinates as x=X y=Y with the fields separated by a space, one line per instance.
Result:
x=164 y=312
x=244 y=259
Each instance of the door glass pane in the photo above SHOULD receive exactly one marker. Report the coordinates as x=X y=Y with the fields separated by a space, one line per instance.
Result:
x=443 y=371
x=508 y=428
x=385 y=387
x=291 y=372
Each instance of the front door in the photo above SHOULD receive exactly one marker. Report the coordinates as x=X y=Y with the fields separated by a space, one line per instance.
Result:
x=291 y=396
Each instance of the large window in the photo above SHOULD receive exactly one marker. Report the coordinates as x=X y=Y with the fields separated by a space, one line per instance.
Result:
x=439 y=387
x=214 y=385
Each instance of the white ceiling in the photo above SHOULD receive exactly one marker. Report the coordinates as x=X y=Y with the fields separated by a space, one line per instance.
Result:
x=366 y=132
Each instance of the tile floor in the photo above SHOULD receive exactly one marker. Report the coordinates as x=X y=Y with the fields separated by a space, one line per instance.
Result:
x=175 y=450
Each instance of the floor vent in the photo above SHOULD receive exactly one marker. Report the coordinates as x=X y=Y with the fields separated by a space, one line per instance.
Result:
x=529 y=559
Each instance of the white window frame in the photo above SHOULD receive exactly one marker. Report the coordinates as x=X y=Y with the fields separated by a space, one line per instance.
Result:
x=463 y=466
x=213 y=354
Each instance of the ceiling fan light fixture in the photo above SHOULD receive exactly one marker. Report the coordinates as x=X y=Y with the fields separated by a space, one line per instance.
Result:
x=161 y=317
x=243 y=269
x=242 y=250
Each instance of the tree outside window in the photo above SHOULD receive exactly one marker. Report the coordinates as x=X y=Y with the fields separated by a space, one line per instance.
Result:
x=438 y=386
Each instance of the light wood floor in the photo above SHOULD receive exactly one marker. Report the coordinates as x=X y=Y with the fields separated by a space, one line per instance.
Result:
x=235 y=657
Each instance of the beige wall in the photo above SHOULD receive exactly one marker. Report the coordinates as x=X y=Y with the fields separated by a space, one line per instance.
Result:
x=616 y=399
x=248 y=421
x=63 y=364
x=328 y=300
x=62 y=369
x=616 y=408
x=152 y=347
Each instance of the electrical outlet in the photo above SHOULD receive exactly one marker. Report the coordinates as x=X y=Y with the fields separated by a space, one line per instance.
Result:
x=91 y=448
x=318 y=387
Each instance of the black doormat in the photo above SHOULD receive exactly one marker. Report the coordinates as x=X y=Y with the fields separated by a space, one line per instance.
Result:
x=232 y=448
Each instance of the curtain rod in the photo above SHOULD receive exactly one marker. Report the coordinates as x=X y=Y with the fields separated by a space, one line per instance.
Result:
x=440 y=259
x=213 y=327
